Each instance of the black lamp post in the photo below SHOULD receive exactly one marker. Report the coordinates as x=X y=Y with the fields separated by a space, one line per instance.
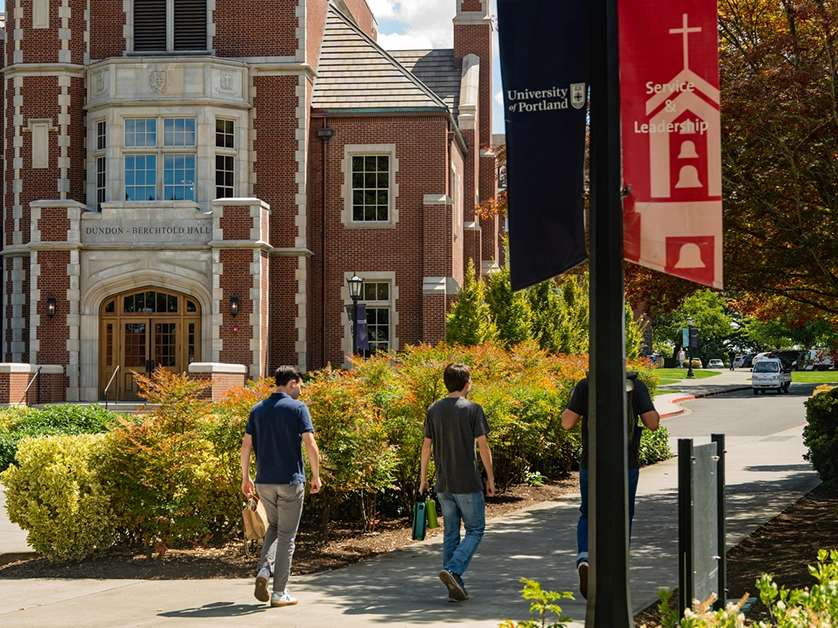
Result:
x=355 y=284
x=690 y=373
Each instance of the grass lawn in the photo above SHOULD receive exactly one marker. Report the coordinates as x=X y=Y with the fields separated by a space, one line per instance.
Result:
x=676 y=375
x=815 y=377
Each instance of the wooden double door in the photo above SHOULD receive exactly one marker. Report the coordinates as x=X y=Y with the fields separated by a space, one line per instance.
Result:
x=141 y=331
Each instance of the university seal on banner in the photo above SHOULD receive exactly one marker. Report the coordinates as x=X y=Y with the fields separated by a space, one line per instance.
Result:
x=159 y=80
x=577 y=95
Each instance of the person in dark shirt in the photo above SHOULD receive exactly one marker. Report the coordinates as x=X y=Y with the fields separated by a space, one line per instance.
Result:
x=275 y=432
x=577 y=408
x=452 y=427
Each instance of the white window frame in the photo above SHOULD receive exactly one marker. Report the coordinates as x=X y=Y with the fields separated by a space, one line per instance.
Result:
x=161 y=151
x=369 y=150
x=372 y=277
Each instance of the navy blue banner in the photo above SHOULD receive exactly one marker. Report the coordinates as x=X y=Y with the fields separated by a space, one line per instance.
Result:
x=544 y=67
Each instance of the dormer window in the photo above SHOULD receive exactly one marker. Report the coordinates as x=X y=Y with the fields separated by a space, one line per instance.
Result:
x=170 y=25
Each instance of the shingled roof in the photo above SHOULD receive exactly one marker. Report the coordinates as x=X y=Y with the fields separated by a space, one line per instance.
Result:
x=356 y=75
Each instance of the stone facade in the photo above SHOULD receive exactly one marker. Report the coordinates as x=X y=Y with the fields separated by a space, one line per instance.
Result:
x=172 y=201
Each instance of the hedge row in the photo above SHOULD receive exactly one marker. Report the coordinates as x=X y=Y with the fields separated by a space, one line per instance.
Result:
x=172 y=476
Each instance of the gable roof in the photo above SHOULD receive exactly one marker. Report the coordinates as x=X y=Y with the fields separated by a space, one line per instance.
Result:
x=356 y=75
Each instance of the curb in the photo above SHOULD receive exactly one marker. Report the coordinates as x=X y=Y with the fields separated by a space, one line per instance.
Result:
x=712 y=393
x=13 y=557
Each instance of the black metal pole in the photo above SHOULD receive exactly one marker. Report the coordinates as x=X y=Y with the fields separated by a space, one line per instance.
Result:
x=609 y=598
x=719 y=439
x=354 y=325
x=686 y=579
x=690 y=373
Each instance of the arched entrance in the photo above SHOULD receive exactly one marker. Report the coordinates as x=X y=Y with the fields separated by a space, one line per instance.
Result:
x=144 y=329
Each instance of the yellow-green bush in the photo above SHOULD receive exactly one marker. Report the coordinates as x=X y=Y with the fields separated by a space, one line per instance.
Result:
x=55 y=493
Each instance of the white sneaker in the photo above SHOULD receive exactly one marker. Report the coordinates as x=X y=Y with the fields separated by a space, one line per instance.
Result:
x=261 y=591
x=282 y=599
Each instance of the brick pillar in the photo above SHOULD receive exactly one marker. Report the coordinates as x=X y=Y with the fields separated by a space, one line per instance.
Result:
x=55 y=268
x=437 y=262
x=221 y=377
x=240 y=268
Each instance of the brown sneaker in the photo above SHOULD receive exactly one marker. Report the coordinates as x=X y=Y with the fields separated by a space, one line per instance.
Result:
x=261 y=592
x=583 y=578
x=456 y=590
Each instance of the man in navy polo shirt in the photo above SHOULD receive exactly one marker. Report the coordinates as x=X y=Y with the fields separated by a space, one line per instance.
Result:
x=275 y=432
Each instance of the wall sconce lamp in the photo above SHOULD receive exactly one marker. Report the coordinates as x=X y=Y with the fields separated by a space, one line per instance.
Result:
x=234 y=306
x=51 y=306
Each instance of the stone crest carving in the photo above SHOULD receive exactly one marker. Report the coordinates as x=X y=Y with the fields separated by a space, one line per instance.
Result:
x=226 y=83
x=99 y=83
x=159 y=80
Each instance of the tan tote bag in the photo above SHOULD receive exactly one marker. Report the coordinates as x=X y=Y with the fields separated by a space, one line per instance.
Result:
x=255 y=520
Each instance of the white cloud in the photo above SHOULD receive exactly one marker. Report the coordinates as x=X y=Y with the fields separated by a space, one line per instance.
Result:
x=499 y=97
x=425 y=24
x=397 y=41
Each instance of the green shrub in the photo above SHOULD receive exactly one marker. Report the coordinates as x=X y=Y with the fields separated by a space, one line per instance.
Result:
x=541 y=603
x=161 y=471
x=48 y=421
x=821 y=434
x=357 y=461
x=224 y=430
x=795 y=608
x=56 y=494
x=654 y=446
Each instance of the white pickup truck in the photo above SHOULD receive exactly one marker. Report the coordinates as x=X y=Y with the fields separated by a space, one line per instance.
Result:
x=769 y=374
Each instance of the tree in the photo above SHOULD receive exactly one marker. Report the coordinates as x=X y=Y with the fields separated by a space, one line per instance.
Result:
x=510 y=311
x=711 y=316
x=779 y=86
x=470 y=322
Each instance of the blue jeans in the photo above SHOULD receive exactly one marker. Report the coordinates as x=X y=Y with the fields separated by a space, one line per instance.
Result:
x=582 y=526
x=471 y=509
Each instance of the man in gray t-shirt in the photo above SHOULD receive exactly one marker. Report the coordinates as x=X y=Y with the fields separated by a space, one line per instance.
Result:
x=452 y=427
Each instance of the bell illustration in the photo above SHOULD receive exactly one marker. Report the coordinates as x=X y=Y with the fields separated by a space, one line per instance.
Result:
x=688 y=151
x=690 y=257
x=688 y=178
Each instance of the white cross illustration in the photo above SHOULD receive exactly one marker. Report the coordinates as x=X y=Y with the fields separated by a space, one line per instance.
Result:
x=685 y=31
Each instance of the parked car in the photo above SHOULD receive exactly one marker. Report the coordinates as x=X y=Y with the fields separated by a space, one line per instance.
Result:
x=744 y=361
x=792 y=359
x=769 y=374
x=715 y=363
x=758 y=357
x=819 y=360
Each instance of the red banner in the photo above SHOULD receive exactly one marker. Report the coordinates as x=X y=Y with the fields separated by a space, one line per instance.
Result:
x=669 y=96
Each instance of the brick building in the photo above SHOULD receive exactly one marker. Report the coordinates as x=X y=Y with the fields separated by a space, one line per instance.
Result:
x=189 y=183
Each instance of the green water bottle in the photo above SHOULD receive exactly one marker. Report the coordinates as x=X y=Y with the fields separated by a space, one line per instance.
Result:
x=430 y=510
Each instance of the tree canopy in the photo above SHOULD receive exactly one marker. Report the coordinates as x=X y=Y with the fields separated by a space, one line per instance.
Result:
x=779 y=146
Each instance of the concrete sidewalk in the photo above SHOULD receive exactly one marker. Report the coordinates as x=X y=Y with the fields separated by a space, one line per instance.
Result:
x=401 y=588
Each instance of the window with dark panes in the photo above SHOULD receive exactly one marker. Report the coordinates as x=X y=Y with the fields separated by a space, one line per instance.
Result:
x=170 y=25
x=377 y=298
x=224 y=158
x=370 y=188
x=101 y=164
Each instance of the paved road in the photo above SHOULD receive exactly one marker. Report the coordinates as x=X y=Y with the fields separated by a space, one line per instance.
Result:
x=765 y=473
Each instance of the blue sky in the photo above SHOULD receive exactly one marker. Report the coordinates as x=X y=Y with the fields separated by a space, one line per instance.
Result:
x=409 y=24
x=413 y=24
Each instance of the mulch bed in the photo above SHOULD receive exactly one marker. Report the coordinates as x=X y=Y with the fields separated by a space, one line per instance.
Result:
x=783 y=547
